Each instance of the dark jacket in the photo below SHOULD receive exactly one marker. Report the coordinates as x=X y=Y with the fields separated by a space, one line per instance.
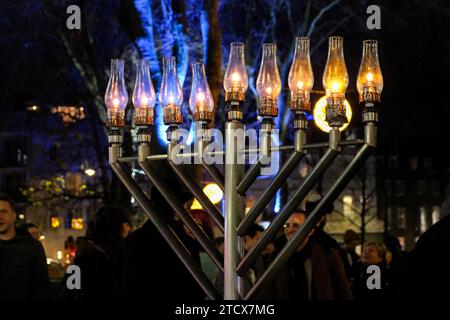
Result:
x=152 y=271
x=99 y=274
x=23 y=269
x=425 y=271
x=360 y=287
x=328 y=242
x=329 y=281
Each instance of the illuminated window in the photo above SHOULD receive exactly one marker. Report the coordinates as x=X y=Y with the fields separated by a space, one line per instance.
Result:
x=402 y=241
x=347 y=208
x=435 y=215
x=423 y=219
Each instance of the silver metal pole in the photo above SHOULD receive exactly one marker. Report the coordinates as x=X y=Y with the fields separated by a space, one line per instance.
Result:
x=310 y=222
x=234 y=211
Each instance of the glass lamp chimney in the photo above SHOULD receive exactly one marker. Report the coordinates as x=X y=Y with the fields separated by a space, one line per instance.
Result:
x=116 y=96
x=236 y=79
x=370 y=78
x=201 y=101
x=301 y=76
x=268 y=83
x=170 y=94
x=144 y=97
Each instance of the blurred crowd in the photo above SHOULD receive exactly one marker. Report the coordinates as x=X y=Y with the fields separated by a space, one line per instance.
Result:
x=117 y=262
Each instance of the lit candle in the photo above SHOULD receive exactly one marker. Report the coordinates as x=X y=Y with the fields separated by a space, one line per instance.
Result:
x=235 y=78
x=144 y=101
x=201 y=103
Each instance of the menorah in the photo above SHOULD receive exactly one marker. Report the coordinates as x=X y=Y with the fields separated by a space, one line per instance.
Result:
x=235 y=181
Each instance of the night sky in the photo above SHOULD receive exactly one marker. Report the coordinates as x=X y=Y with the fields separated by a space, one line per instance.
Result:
x=40 y=67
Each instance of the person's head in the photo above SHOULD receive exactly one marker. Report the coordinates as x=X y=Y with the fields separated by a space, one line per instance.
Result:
x=351 y=240
x=373 y=253
x=202 y=220
x=295 y=221
x=32 y=229
x=252 y=236
x=112 y=223
x=312 y=203
x=8 y=216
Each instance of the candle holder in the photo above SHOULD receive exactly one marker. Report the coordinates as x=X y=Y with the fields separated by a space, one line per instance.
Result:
x=234 y=181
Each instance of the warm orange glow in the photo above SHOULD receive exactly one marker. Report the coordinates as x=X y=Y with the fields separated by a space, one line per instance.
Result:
x=369 y=77
x=235 y=77
x=77 y=223
x=320 y=114
x=200 y=97
x=335 y=76
x=55 y=222
x=214 y=194
x=300 y=85
x=144 y=100
x=335 y=86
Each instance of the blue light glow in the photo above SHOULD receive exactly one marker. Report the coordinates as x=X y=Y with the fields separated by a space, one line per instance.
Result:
x=277 y=206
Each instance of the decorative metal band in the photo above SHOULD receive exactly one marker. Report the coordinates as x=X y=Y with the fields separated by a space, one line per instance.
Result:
x=234 y=114
x=234 y=96
x=299 y=103
x=116 y=120
x=115 y=138
x=335 y=112
x=301 y=124
x=268 y=107
x=172 y=115
x=367 y=96
x=203 y=116
x=144 y=134
x=143 y=117
x=371 y=116
x=267 y=126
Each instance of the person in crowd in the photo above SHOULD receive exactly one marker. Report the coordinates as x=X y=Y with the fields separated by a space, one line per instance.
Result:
x=202 y=219
x=374 y=254
x=98 y=256
x=425 y=270
x=313 y=272
x=348 y=253
x=70 y=248
x=152 y=270
x=320 y=235
x=253 y=234
x=32 y=229
x=23 y=265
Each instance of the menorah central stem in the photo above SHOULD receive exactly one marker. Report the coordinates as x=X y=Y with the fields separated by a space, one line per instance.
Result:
x=234 y=211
